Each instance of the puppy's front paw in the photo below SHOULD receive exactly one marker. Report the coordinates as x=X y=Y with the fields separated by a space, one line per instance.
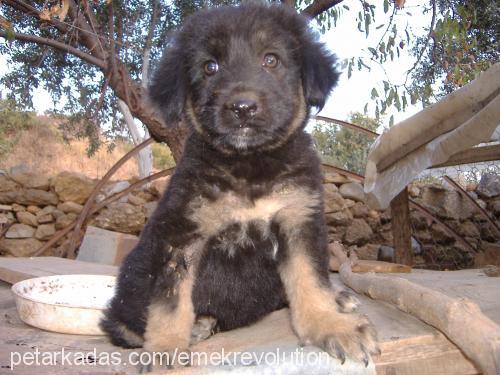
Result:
x=343 y=335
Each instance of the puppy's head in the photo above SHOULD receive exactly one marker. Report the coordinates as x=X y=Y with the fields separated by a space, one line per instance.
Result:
x=244 y=77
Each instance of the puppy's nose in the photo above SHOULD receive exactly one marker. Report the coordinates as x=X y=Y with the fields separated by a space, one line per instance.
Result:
x=244 y=108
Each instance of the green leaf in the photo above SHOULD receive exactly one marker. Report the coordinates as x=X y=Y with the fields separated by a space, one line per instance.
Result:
x=391 y=121
x=386 y=6
x=374 y=93
x=386 y=86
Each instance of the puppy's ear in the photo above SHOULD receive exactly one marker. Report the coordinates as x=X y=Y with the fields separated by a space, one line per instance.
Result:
x=319 y=75
x=168 y=88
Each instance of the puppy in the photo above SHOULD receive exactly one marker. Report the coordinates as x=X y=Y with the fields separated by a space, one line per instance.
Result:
x=240 y=231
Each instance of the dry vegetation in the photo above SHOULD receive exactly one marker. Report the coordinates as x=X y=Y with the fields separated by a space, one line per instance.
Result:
x=43 y=149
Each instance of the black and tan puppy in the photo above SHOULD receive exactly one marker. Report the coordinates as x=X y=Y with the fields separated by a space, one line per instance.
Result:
x=240 y=230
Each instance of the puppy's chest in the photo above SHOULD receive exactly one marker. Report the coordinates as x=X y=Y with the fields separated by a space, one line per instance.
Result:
x=232 y=219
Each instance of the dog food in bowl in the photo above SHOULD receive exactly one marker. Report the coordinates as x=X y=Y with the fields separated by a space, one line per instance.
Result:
x=64 y=303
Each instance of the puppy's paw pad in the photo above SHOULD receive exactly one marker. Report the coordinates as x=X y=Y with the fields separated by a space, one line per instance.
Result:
x=346 y=302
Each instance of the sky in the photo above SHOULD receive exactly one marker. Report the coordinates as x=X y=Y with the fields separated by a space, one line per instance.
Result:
x=345 y=41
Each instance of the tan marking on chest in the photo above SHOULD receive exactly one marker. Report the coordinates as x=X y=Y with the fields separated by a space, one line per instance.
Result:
x=212 y=216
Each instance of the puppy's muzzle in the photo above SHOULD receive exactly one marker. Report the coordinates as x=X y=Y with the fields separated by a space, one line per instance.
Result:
x=244 y=106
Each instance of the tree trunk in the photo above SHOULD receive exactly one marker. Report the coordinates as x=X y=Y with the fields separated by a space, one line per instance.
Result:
x=145 y=156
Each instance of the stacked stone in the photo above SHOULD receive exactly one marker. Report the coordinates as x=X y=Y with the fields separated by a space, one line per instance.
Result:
x=37 y=206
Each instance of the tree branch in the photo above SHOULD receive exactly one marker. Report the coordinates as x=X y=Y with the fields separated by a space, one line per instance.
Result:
x=58 y=45
x=148 y=43
x=319 y=6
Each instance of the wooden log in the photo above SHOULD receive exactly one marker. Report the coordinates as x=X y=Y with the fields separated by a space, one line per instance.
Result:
x=459 y=319
x=401 y=231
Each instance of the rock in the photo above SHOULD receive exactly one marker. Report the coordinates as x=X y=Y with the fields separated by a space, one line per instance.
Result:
x=349 y=203
x=121 y=217
x=114 y=188
x=415 y=246
x=368 y=251
x=44 y=219
x=20 y=168
x=150 y=207
x=6 y=184
x=385 y=254
x=5 y=207
x=334 y=178
x=489 y=254
x=135 y=200
x=448 y=204
x=69 y=206
x=20 y=247
x=359 y=209
x=358 y=232
x=352 y=190
x=333 y=202
x=37 y=197
x=33 y=209
x=31 y=180
x=18 y=208
x=146 y=196
x=468 y=229
x=25 y=217
x=330 y=188
x=489 y=186
x=385 y=234
x=495 y=207
x=20 y=231
x=341 y=218
x=75 y=187
x=47 y=210
x=440 y=235
x=159 y=186
x=4 y=219
x=56 y=213
x=413 y=191
x=64 y=220
x=104 y=246
x=45 y=231
x=386 y=216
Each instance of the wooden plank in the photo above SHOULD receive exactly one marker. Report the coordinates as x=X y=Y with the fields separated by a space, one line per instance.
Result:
x=472 y=155
x=401 y=231
x=460 y=115
x=13 y=270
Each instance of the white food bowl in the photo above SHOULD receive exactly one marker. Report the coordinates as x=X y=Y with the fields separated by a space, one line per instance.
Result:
x=64 y=303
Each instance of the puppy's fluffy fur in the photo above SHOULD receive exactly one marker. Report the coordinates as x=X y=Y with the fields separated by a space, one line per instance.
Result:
x=240 y=231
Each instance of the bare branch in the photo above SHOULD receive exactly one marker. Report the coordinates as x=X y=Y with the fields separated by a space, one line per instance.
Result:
x=319 y=6
x=58 y=45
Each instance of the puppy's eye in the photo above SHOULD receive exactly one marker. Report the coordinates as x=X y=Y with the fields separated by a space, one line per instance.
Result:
x=270 y=60
x=211 y=67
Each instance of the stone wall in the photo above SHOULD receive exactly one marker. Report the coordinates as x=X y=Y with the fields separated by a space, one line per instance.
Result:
x=37 y=206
